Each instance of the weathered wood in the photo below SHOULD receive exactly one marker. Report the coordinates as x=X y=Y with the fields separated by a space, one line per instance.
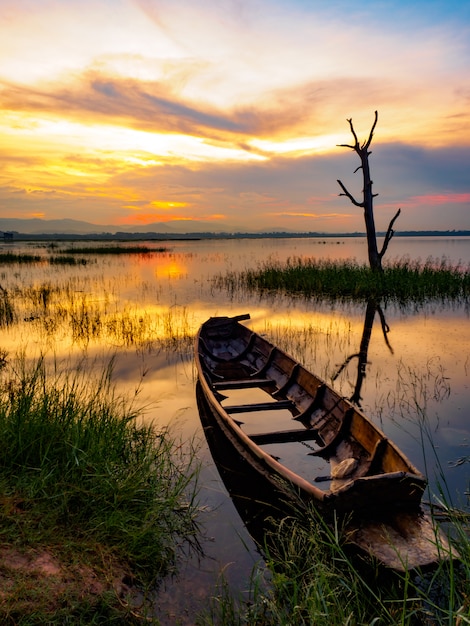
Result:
x=247 y=383
x=367 y=476
x=259 y=406
x=375 y=257
x=284 y=436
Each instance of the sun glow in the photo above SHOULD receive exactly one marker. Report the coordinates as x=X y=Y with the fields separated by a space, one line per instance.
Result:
x=302 y=145
x=116 y=142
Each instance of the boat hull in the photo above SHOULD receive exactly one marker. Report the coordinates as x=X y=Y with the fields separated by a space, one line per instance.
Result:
x=363 y=477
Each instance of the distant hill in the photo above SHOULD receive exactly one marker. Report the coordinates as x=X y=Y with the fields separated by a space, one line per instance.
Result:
x=38 y=226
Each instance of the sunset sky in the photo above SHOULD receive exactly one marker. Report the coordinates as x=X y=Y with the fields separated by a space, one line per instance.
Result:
x=228 y=113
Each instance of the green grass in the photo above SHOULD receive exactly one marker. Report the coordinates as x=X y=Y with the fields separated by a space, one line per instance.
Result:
x=315 y=579
x=84 y=484
x=402 y=281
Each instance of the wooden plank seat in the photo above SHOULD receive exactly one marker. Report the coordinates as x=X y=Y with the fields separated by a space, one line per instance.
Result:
x=245 y=383
x=284 y=436
x=260 y=406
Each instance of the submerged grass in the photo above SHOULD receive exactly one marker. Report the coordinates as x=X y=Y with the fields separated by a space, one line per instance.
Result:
x=106 y=500
x=401 y=281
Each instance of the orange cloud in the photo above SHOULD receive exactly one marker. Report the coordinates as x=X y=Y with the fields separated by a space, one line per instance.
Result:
x=167 y=204
x=149 y=218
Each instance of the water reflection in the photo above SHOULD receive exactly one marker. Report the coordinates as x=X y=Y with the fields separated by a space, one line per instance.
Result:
x=146 y=311
x=373 y=307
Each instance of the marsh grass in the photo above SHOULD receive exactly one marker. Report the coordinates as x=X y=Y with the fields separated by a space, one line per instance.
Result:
x=9 y=258
x=111 y=250
x=82 y=482
x=67 y=260
x=83 y=314
x=7 y=310
x=401 y=281
x=315 y=579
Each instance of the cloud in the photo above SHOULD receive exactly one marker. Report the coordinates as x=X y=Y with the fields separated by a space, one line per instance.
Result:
x=233 y=108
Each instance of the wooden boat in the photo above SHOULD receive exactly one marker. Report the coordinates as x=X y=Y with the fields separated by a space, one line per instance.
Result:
x=310 y=444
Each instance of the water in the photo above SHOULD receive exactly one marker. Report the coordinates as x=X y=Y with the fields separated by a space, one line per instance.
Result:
x=145 y=310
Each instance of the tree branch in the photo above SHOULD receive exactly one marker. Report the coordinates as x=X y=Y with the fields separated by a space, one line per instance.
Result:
x=356 y=144
x=389 y=234
x=348 y=195
x=371 y=134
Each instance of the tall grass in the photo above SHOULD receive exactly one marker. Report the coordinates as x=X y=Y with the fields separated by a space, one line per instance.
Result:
x=7 y=310
x=8 y=258
x=80 y=478
x=315 y=579
x=400 y=281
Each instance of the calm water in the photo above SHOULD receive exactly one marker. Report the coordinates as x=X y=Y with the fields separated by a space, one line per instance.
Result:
x=147 y=309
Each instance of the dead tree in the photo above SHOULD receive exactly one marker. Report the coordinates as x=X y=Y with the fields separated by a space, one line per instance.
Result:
x=375 y=257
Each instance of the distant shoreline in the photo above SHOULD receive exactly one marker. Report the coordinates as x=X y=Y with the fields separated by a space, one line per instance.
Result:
x=12 y=236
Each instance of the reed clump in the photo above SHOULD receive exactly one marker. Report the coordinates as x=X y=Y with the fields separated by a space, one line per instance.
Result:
x=401 y=281
x=7 y=309
x=108 y=501
x=110 y=250
x=9 y=258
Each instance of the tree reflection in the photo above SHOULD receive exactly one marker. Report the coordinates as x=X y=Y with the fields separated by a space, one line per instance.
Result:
x=373 y=307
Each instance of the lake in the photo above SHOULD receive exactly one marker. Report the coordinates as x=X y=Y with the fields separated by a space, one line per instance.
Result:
x=144 y=311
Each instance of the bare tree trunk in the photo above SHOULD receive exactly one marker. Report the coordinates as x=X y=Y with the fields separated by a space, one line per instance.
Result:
x=375 y=257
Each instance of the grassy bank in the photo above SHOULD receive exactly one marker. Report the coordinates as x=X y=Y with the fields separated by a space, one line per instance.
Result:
x=402 y=281
x=93 y=507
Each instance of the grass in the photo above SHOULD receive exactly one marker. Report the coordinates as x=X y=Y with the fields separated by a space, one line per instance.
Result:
x=111 y=250
x=401 y=281
x=7 y=258
x=72 y=309
x=91 y=504
x=315 y=579
x=67 y=256
x=7 y=310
